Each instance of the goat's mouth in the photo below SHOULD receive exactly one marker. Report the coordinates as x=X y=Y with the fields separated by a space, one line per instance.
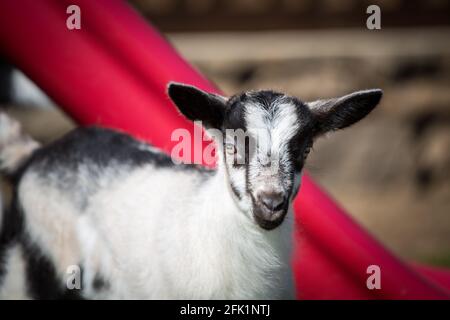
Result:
x=269 y=221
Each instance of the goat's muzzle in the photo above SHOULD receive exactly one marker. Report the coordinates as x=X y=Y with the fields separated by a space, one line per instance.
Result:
x=269 y=209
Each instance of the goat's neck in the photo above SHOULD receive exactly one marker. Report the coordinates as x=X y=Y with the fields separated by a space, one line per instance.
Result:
x=251 y=252
x=217 y=198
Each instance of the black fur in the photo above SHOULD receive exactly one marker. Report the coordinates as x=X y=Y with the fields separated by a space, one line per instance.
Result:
x=5 y=82
x=11 y=230
x=339 y=113
x=41 y=279
x=315 y=119
x=97 y=146
x=94 y=148
x=235 y=119
x=198 y=105
x=101 y=147
x=98 y=149
x=99 y=283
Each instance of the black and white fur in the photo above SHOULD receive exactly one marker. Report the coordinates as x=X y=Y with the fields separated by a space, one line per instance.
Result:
x=140 y=226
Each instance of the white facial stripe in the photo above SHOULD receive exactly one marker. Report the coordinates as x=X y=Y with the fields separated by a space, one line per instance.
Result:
x=273 y=129
x=285 y=126
x=258 y=124
x=237 y=177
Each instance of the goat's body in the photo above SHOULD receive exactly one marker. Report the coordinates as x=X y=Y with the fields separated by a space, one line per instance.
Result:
x=139 y=226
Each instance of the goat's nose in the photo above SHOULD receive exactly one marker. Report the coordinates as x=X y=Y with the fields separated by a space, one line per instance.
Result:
x=273 y=201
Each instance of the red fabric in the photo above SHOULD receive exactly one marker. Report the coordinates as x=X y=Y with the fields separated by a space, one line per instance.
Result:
x=114 y=71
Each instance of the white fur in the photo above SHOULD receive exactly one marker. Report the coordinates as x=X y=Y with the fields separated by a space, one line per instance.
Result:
x=273 y=131
x=14 y=145
x=162 y=233
x=186 y=248
x=148 y=232
x=14 y=286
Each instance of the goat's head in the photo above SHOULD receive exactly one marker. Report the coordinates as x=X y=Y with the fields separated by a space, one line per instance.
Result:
x=266 y=137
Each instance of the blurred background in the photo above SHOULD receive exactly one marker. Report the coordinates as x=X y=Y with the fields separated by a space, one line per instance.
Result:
x=390 y=171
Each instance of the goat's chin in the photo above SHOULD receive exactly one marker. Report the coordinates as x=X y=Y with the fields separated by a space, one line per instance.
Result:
x=269 y=224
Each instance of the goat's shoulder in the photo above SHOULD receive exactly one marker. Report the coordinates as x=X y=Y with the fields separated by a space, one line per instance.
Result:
x=100 y=147
x=89 y=160
x=97 y=149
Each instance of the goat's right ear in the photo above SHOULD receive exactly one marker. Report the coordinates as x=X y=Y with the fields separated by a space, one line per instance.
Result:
x=198 y=105
x=338 y=113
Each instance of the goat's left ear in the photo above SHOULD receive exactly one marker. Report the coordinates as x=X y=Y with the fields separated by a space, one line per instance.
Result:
x=338 y=113
x=198 y=105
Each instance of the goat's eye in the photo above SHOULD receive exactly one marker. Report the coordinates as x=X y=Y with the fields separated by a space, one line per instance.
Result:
x=230 y=148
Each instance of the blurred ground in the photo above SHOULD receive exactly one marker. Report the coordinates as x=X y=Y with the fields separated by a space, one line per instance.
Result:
x=392 y=170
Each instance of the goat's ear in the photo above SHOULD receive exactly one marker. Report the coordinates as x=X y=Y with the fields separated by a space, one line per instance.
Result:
x=338 y=113
x=198 y=105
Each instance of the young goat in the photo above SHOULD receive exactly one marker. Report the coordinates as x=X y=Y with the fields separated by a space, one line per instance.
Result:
x=139 y=226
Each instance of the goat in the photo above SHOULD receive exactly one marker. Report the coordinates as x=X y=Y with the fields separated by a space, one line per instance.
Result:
x=140 y=226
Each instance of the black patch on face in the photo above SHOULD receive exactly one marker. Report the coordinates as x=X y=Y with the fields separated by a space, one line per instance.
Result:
x=235 y=114
x=234 y=119
x=302 y=140
x=300 y=143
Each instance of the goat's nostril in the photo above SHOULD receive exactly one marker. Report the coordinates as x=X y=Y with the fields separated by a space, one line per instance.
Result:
x=272 y=201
